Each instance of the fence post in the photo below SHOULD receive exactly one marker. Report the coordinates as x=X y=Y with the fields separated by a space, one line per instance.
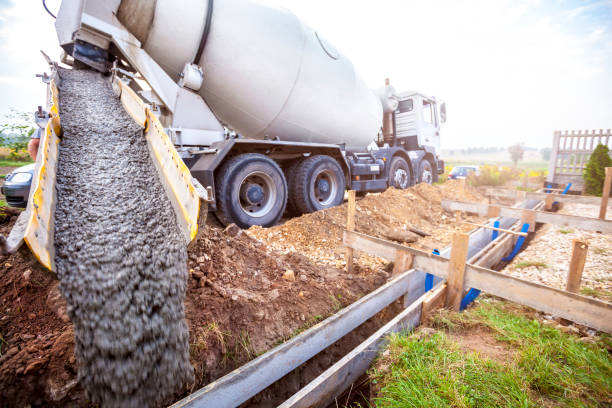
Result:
x=456 y=270
x=603 y=207
x=552 y=165
x=350 y=226
x=574 y=277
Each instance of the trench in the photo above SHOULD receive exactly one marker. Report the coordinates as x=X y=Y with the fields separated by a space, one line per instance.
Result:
x=119 y=254
x=359 y=394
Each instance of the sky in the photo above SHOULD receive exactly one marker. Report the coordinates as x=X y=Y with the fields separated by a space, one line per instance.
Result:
x=510 y=71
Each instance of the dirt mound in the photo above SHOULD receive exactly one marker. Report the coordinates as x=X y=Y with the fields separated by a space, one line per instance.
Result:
x=319 y=235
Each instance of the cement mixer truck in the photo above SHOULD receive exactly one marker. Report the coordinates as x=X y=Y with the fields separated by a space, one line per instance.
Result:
x=264 y=111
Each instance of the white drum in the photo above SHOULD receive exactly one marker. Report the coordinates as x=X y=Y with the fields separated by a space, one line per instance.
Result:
x=266 y=74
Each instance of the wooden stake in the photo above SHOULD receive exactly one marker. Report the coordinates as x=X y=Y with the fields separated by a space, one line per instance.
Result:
x=603 y=207
x=529 y=217
x=493 y=211
x=456 y=270
x=402 y=263
x=550 y=199
x=458 y=217
x=574 y=277
x=350 y=226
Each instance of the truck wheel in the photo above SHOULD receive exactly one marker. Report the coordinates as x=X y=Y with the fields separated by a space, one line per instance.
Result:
x=251 y=190
x=399 y=173
x=290 y=174
x=425 y=172
x=318 y=184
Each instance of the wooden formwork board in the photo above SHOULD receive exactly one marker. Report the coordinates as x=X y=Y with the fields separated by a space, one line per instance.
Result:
x=243 y=383
x=580 y=309
x=567 y=198
x=560 y=220
x=345 y=372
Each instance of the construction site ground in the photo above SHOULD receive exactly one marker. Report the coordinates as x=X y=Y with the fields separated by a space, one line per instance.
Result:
x=248 y=291
x=546 y=259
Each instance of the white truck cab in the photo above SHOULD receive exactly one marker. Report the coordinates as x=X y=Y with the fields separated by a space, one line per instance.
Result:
x=419 y=117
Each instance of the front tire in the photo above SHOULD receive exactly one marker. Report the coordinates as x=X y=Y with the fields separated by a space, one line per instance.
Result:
x=399 y=173
x=317 y=184
x=251 y=190
x=425 y=172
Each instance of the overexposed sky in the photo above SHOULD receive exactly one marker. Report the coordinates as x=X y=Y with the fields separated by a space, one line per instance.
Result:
x=510 y=70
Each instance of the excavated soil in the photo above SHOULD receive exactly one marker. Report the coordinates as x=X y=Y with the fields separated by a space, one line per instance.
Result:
x=237 y=304
x=318 y=236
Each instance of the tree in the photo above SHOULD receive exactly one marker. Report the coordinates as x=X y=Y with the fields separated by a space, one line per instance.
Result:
x=545 y=152
x=15 y=131
x=595 y=171
x=516 y=153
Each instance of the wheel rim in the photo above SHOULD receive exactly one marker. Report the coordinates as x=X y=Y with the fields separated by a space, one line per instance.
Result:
x=400 y=178
x=257 y=194
x=325 y=188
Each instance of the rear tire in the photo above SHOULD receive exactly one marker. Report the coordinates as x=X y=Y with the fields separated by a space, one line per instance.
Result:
x=251 y=190
x=290 y=175
x=399 y=173
x=317 y=184
x=425 y=172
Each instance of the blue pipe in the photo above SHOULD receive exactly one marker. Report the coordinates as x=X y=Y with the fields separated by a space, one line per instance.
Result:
x=429 y=278
x=518 y=245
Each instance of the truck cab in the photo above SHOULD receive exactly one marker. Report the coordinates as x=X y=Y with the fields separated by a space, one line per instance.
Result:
x=418 y=119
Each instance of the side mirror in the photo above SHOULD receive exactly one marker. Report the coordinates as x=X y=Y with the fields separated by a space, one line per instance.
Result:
x=443 y=112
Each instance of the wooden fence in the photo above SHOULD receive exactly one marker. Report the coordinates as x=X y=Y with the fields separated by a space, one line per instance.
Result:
x=570 y=154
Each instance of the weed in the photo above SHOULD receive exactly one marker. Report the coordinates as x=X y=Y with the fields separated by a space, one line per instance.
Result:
x=599 y=251
x=527 y=264
x=336 y=304
x=597 y=293
x=211 y=330
x=565 y=231
x=244 y=345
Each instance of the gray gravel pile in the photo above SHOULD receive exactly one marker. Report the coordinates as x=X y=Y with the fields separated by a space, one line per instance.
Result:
x=120 y=257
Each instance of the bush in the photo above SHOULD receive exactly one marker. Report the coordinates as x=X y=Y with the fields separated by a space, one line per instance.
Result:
x=595 y=171
x=490 y=175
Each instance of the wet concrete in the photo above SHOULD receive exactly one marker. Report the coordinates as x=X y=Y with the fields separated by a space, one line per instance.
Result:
x=120 y=257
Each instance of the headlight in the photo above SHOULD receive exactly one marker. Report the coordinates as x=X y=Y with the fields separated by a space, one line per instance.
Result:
x=20 y=178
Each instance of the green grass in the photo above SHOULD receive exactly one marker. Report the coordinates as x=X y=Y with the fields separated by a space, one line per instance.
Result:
x=3 y=203
x=14 y=163
x=527 y=264
x=565 y=231
x=546 y=367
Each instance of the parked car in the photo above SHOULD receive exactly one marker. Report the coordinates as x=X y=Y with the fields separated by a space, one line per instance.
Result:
x=461 y=172
x=16 y=187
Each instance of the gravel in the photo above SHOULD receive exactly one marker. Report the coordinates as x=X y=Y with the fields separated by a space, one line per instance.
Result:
x=546 y=259
x=120 y=256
